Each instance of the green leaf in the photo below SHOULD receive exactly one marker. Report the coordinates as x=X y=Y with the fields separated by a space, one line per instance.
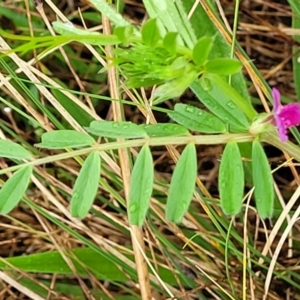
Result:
x=112 y=129
x=161 y=129
x=10 y=149
x=124 y=33
x=196 y=119
x=220 y=103
x=14 y=188
x=182 y=185
x=201 y=50
x=141 y=185
x=174 y=88
x=263 y=181
x=170 y=42
x=150 y=33
x=231 y=179
x=86 y=186
x=223 y=66
x=61 y=139
x=83 y=36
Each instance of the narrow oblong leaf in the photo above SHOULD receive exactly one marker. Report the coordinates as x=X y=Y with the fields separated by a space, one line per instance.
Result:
x=141 y=185
x=214 y=97
x=164 y=129
x=182 y=185
x=86 y=186
x=150 y=33
x=263 y=181
x=14 y=188
x=231 y=179
x=10 y=149
x=115 y=130
x=196 y=119
x=61 y=139
x=201 y=50
x=68 y=30
x=223 y=66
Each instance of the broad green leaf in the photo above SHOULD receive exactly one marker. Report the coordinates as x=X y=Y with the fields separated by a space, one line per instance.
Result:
x=13 y=189
x=201 y=50
x=10 y=149
x=86 y=186
x=150 y=33
x=61 y=139
x=182 y=185
x=92 y=38
x=164 y=129
x=263 y=181
x=141 y=185
x=112 y=129
x=223 y=66
x=124 y=33
x=196 y=119
x=231 y=179
x=220 y=103
x=170 y=42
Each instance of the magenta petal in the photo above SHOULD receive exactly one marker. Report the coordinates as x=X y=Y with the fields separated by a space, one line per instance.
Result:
x=290 y=114
x=276 y=97
x=282 y=128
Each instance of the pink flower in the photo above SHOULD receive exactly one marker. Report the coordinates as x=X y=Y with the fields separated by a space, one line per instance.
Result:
x=285 y=116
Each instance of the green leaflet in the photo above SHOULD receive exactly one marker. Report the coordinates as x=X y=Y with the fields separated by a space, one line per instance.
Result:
x=141 y=185
x=231 y=180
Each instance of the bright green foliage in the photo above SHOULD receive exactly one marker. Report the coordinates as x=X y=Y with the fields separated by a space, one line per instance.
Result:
x=14 y=189
x=10 y=149
x=201 y=50
x=62 y=139
x=141 y=185
x=112 y=129
x=164 y=129
x=223 y=66
x=231 y=179
x=182 y=185
x=196 y=119
x=86 y=186
x=170 y=42
x=220 y=104
x=263 y=181
x=150 y=33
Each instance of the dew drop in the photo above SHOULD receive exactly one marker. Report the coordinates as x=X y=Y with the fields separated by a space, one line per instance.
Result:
x=190 y=109
x=133 y=208
x=230 y=104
